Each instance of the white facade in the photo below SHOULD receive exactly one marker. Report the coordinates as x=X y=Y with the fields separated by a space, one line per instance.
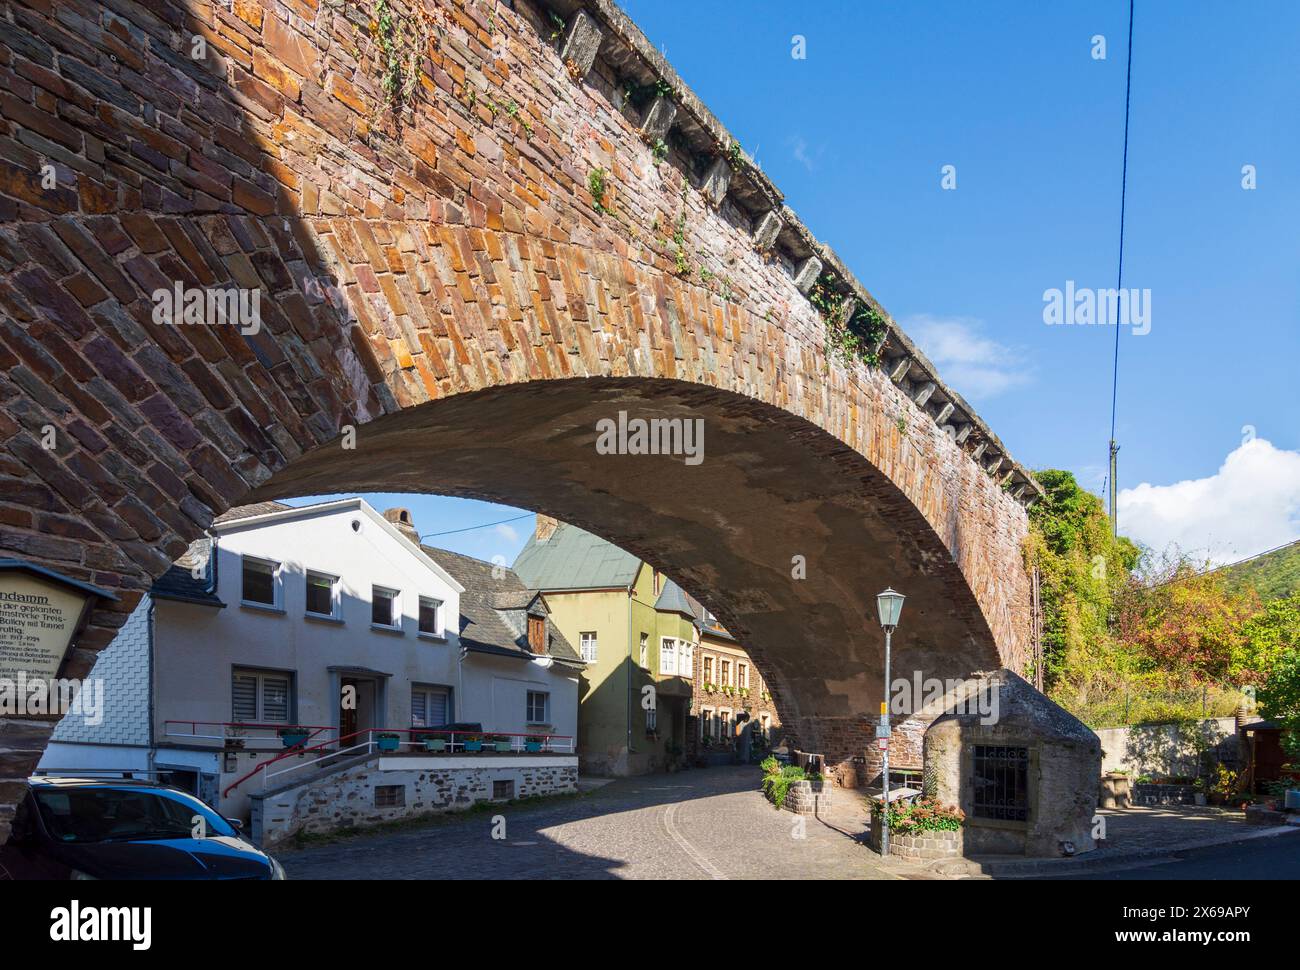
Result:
x=277 y=655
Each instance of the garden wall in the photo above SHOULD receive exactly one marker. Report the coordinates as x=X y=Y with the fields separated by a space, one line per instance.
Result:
x=1167 y=750
x=384 y=789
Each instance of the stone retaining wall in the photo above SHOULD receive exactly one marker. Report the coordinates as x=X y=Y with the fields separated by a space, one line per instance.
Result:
x=365 y=794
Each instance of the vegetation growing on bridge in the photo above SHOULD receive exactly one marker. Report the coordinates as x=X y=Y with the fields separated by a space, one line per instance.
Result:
x=849 y=336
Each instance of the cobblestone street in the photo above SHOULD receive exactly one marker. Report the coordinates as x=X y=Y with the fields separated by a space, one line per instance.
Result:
x=700 y=824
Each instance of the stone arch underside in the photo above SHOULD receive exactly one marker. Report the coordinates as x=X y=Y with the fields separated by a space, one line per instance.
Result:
x=447 y=286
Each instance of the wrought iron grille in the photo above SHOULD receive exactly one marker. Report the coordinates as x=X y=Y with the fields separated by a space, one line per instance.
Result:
x=1001 y=783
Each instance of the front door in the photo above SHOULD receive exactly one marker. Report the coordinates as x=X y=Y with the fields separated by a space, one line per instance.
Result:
x=348 y=698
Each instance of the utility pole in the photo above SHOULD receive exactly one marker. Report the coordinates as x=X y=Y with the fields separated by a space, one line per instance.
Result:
x=1114 y=510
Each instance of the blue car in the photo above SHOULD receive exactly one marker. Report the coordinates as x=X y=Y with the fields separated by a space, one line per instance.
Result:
x=112 y=828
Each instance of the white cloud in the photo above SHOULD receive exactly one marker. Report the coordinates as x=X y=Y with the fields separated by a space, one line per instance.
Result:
x=507 y=532
x=971 y=364
x=1251 y=504
x=799 y=148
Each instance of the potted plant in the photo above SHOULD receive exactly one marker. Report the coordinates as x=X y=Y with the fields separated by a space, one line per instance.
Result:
x=433 y=742
x=502 y=743
x=1202 y=797
x=473 y=742
x=387 y=741
x=293 y=737
x=534 y=742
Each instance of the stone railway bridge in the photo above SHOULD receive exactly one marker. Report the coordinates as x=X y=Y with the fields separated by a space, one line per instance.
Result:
x=477 y=228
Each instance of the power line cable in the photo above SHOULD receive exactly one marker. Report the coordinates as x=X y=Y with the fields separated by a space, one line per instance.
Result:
x=1119 y=283
x=471 y=528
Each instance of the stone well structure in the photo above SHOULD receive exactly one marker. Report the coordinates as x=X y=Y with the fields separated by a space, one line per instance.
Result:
x=1027 y=782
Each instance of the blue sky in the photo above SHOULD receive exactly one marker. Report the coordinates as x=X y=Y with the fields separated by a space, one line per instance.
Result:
x=856 y=135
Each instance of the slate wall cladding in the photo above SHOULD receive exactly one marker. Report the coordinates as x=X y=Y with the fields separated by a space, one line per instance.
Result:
x=408 y=259
x=124 y=667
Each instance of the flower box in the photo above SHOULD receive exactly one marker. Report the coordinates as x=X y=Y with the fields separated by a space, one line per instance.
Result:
x=387 y=742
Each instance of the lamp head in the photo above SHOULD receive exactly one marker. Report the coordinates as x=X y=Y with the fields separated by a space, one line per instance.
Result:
x=889 y=605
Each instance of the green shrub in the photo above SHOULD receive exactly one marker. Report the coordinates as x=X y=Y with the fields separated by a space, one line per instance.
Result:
x=776 y=784
x=924 y=815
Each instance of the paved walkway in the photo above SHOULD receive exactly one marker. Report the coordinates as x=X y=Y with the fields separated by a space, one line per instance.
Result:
x=701 y=824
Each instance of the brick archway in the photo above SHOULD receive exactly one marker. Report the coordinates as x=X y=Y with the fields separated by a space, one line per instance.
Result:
x=524 y=245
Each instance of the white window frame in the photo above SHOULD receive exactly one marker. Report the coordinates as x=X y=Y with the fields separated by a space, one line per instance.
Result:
x=686 y=660
x=706 y=722
x=645 y=651
x=396 y=602
x=277 y=584
x=725 y=669
x=651 y=719
x=724 y=724
x=707 y=675
x=335 y=599
x=440 y=630
x=529 y=710
x=742 y=675
x=589 y=646
x=668 y=652
x=259 y=678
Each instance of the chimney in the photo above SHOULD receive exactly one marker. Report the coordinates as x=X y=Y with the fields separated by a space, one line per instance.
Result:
x=402 y=519
x=545 y=527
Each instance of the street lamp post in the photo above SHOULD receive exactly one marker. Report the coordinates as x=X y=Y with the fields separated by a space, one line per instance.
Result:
x=889 y=605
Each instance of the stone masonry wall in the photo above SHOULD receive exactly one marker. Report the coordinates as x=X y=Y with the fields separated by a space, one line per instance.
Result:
x=347 y=798
x=407 y=254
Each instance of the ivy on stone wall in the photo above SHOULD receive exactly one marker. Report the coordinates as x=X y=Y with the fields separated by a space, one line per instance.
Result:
x=847 y=338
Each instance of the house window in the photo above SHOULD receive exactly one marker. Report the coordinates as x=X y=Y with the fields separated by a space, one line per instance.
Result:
x=430 y=616
x=259 y=578
x=320 y=594
x=588 y=647
x=708 y=670
x=503 y=789
x=724 y=724
x=766 y=721
x=538 y=702
x=706 y=722
x=1001 y=783
x=384 y=609
x=651 y=720
x=537 y=634
x=658 y=582
x=430 y=706
x=686 y=663
x=390 y=796
x=668 y=656
x=726 y=673
x=742 y=673
x=260 y=696
x=645 y=651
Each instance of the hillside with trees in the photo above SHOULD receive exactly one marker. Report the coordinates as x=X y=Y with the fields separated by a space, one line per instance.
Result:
x=1132 y=635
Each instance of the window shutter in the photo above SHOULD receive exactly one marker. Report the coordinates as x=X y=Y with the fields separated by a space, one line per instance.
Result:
x=275 y=698
x=437 y=708
x=419 y=714
x=243 y=693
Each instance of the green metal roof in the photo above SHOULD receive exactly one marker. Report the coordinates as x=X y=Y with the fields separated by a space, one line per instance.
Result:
x=574 y=559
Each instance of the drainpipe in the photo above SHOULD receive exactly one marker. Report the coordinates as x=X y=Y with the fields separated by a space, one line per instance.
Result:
x=628 y=668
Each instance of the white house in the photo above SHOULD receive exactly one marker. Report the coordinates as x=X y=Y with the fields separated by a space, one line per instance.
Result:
x=334 y=618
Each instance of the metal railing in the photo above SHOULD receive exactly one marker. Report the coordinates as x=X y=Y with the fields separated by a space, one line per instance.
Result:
x=227 y=731
x=383 y=740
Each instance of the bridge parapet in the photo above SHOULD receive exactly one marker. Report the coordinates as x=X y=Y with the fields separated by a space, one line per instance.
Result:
x=598 y=31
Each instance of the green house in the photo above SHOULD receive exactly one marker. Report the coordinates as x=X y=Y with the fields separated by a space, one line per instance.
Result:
x=637 y=632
